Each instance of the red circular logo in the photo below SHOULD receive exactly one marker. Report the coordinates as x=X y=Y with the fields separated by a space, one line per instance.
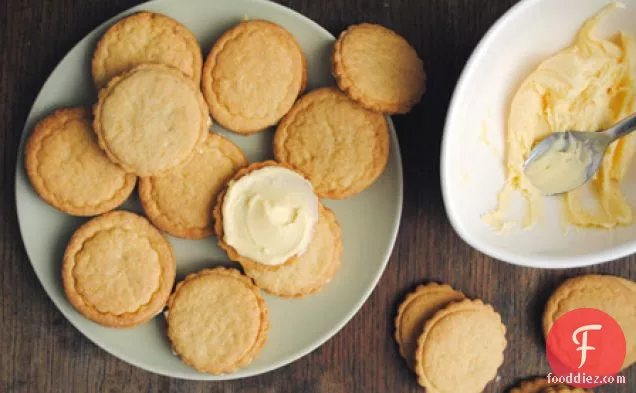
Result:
x=585 y=347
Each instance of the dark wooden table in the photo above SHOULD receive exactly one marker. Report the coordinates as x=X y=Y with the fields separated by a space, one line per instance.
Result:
x=41 y=352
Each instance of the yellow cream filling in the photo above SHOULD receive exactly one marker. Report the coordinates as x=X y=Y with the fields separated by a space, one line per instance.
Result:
x=588 y=86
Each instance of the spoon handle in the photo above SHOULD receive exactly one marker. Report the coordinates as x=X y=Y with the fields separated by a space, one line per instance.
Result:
x=623 y=127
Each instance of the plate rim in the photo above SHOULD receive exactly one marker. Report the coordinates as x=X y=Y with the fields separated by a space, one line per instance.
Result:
x=302 y=352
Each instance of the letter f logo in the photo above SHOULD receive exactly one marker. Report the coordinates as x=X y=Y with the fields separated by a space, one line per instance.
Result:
x=583 y=344
x=571 y=338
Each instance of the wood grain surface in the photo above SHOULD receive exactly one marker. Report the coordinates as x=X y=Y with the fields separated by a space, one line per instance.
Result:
x=41 y=352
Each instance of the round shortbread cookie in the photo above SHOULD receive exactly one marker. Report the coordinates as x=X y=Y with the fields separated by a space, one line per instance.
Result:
x=416 y=308
x=614 y=295
x=118 y=270
x=217 y=214
x=536 y=385
x=563 y=389
x=378 y=68
x=217 y=320
x=150 y=119
x=253 y=75
x=461 y=348
x=340 y=146
x=180 y=202
x=146 y=37
x=311 y=270
x=68 y=169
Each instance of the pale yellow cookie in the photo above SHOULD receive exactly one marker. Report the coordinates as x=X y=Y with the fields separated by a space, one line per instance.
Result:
x=378 y=68
x=118 y=270
x=536 y=385
x=146 y=37
x=180 y=202
x=150 y=119
x=253 y=75
x=415 y=310
x=340 y=146
x=614 y=295
x=217 y=320
x=219 y=227
x=68 y=169
x=461 y=348
x=311 y=270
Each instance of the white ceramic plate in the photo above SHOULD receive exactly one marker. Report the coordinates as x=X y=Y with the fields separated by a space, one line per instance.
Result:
x=472 y=172
x=369 y=221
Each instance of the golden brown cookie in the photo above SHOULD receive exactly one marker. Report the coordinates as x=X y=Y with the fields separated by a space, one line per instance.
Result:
x=415 y=310
x=253 y=75
x=563 y=389
x=340 y=146
x=378 y=68
x=614 y=295
x=219 y=226
x=150 y=119
x=146 y=37
x=461 y=348
x=180 y=202
x=118 y=270
x=68 y=169
x=311 y=270
x=217 y=320
x=536 y=385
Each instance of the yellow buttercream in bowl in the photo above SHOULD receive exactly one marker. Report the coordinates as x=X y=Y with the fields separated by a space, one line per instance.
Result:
x=588 y=86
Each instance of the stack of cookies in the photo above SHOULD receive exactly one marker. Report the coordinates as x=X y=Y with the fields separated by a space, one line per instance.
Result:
x=151 y=122
x=456 y=344
x=453 y=344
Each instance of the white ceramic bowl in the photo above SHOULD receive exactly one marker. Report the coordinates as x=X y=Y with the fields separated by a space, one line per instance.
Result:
x=472 y=171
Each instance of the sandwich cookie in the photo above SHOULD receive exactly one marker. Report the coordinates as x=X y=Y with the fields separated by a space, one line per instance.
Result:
x=419 y=306
x=266 y=216
x=150 y=119
x=312 y=269
x=378 y=68
x=340 y=146
x=118 y=270
x=253 y=75
x=69 y=171
x=146 y=37
x=460 y=348
x=180 y=202
x=217 y=320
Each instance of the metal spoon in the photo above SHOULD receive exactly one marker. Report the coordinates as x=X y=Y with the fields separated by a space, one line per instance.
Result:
x=566 y=160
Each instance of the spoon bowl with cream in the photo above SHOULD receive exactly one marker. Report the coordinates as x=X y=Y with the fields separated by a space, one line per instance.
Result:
x=564 y=161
